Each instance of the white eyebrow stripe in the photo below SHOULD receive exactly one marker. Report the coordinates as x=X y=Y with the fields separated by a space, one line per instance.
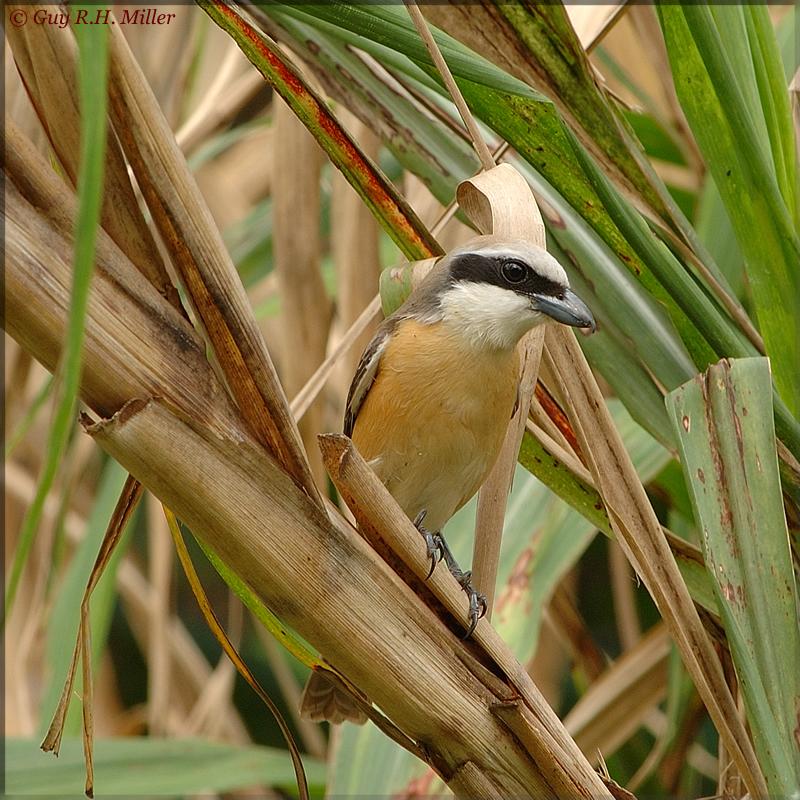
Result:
x=539 y=259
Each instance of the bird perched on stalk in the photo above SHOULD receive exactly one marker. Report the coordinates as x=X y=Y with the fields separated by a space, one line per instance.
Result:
x=436 y=387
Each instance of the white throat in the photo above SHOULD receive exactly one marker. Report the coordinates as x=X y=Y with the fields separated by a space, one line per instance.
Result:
x=487 y=316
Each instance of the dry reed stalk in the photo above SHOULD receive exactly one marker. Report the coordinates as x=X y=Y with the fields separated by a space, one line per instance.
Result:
x=18 y=104
x=564 y=615
x=478 y=143
x=26 y=660
x=228 y=104
x=388 y=644
x=18 y=363
x=24 y=625
x=47 y=59
x=618 y=702
x=546 y=429
x=641 y=537
x=38 y=214
x=202 y=719
x=306 y=308
x=234 y=182
x=159 y=669
x=234 y=660
x=499 y=201
x=314 y=385
x=549 y=663
x=673 y=765
x=191 y=670
x=230 y=87
x=166 y=59
x=199 y=255
x=693 y=754
x=392 y=534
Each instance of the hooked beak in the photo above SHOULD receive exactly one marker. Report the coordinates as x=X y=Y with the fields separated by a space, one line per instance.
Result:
x=569 y=309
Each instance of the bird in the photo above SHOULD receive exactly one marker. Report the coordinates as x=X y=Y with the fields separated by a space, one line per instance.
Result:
x=435 y=389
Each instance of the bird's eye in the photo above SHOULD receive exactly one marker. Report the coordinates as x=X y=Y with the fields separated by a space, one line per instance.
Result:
x=514 y=271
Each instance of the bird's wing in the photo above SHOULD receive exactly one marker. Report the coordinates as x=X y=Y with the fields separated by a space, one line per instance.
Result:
x=366 y=371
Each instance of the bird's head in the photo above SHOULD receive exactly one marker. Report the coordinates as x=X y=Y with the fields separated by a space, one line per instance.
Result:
x=495 y=290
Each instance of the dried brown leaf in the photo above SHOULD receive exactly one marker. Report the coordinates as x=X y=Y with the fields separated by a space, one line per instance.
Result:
x=46 y=56
x=128 y=500
x=197 y=250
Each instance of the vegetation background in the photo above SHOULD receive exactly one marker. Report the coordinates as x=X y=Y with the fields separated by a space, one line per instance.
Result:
x=664 y=162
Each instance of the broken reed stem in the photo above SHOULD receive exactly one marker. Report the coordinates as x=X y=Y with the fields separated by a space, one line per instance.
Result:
x=376 y=510
x=161 y=562
x=128 y=500
x=306 y=309
x=481 y=148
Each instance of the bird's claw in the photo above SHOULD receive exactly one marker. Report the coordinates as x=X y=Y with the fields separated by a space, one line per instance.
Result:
x=477 y=601
x=437 y=550
x=434 y=543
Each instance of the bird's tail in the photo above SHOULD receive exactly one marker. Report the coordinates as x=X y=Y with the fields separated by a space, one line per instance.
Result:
x=327 y=699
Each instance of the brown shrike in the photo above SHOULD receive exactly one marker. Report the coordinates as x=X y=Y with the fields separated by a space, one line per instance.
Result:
x=435 y=389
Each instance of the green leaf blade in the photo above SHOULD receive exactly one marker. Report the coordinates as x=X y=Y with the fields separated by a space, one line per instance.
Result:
x=727 y=118
x=389 y=207
x=723 y=421
x=138 y=766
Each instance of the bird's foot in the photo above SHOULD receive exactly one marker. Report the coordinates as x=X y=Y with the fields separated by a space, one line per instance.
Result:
x=477 y=601
x=434 y=543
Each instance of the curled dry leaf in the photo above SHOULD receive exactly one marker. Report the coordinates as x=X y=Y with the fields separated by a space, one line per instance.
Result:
x=499 y=201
